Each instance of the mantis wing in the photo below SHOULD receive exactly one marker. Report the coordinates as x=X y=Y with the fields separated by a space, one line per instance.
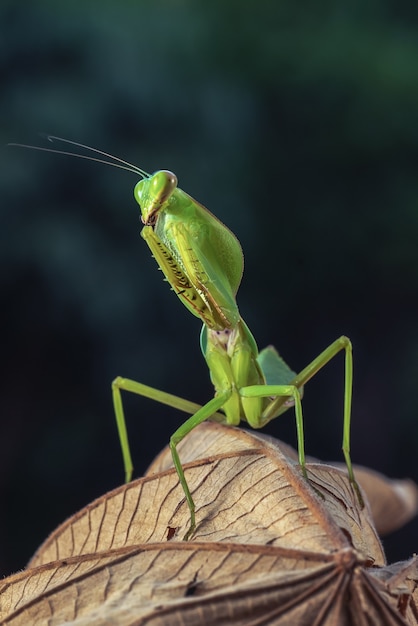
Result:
x=275 y=370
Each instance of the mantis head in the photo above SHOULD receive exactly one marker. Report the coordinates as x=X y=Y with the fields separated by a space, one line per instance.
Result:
x=152 y=193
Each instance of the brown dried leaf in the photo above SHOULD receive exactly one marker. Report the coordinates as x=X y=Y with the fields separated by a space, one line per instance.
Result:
x=331 y=481
x=248 y=493
x=212 y=584
x=268 y=550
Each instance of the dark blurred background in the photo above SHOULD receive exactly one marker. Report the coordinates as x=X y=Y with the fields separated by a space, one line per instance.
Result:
x=297 y=125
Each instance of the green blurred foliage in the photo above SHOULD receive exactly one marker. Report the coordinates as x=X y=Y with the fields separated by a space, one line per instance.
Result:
x=297 y=125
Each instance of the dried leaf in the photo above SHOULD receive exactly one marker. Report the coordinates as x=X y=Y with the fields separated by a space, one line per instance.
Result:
x=200 y=583
x=267 y=550
x=248 y=493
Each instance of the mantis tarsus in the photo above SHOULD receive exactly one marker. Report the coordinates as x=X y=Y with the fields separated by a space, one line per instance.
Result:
x=202 y=261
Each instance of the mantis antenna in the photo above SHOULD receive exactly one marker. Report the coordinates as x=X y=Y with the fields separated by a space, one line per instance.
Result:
x=119 y=163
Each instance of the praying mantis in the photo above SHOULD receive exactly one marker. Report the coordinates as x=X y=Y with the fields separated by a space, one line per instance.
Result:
x=202 y=260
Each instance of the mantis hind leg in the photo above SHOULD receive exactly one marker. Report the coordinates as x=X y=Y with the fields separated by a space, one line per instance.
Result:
x=342 y=343
x=277 y=406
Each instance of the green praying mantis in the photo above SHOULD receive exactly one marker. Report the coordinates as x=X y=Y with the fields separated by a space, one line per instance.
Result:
x=202 y=260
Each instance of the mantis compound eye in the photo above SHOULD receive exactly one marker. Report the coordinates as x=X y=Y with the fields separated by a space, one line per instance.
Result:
x=163 y=183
